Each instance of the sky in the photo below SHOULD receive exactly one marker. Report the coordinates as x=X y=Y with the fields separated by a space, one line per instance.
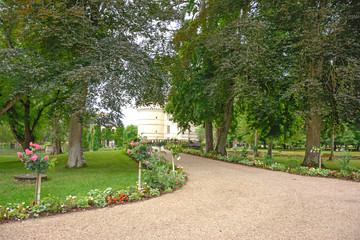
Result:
x=130 y=116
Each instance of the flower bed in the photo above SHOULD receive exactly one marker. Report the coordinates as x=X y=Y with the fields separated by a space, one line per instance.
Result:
x=158 y=178
x=290 y=166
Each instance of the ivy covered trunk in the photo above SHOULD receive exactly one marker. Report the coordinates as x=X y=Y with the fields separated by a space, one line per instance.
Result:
x=76 y=155
x=313 y=128
x=209 y=137
x=220 y=146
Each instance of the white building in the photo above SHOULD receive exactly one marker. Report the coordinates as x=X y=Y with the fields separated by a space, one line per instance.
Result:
x=154 y=123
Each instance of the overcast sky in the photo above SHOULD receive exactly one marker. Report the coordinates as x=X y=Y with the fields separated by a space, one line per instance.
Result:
x=130 y=116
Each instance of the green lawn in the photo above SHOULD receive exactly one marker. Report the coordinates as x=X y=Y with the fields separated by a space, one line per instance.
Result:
x=282 y=156
x=104 y=169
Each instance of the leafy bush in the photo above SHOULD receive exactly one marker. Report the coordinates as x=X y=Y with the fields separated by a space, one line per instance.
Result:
x=344 y=164
x=50 y=204
x=292 y=163
x=268 y=160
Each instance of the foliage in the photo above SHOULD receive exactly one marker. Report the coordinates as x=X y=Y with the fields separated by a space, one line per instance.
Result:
x=159 y=172
x=119 y=136
x=291 y=163
x=268 y=160
x=344 y=164
x=95 y=138
x=86 y=138
x=291 y=166
x=130 y=132
x=141 y=150
x=35 y=162
x=5 y=133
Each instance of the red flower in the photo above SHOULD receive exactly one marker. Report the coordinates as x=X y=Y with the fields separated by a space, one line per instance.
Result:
x=353 y=174
x=109 y=201
x=177 y=182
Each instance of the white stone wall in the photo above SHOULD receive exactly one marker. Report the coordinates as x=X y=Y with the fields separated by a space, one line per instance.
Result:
x=155 y=124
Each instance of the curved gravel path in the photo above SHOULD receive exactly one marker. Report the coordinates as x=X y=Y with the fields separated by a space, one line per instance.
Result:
x=219 y=201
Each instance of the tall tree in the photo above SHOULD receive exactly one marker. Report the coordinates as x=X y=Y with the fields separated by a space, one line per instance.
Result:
x=104 y=49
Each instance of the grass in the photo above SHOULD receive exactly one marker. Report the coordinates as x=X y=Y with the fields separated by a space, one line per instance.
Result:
x=281 y=156
x=104 y=169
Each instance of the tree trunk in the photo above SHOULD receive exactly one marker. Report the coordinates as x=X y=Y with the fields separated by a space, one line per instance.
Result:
x=209 y=138
x=76 y=155
x=56 y=146
x=283 y=146
x=26 y=137
x=264 y=143
x=270 y=147
x=332 y=146
x=220 y=145
x=313 y=128
x=256 y=154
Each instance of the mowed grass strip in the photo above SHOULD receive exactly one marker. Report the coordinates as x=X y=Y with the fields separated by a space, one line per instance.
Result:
x=104 y=169
x=282 y=157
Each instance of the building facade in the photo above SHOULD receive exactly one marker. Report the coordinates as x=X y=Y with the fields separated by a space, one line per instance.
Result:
x=154 y=123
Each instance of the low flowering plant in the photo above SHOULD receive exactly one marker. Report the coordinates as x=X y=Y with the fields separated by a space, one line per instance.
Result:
x=33 y=161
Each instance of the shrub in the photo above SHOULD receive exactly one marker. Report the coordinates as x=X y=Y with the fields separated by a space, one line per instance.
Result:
x=344 y=164
x=268 y=160
x=291 y=163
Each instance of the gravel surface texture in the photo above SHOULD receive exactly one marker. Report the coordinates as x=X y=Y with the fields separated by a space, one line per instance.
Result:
x=219 y=201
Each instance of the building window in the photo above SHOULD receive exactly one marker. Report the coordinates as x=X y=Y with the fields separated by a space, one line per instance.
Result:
x=168 y=129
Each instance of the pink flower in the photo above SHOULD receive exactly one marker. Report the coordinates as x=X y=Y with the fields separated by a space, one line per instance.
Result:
x=37 y=146
x=132 y=143
x=143 y=141
x=22 y=159
x=19 y=154
x=31 y=144
x=128 y=151
x=149 y=140
x=154 y=151
x=28 y=152
x=34 y=157
x=46 y=157
x=137 y=143
x=148 y=153
x=147 y=162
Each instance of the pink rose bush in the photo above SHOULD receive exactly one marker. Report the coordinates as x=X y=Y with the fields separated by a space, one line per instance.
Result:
x=159 y=172
x=140 y=150
x=33 y=161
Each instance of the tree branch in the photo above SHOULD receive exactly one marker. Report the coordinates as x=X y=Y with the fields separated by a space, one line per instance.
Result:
x=42 y=109
x=10 y=104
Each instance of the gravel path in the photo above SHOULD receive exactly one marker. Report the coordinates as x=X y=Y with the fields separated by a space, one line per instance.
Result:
x=219 y=201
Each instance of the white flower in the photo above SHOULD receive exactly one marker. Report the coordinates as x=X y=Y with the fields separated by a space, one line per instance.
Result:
x=178 y=158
